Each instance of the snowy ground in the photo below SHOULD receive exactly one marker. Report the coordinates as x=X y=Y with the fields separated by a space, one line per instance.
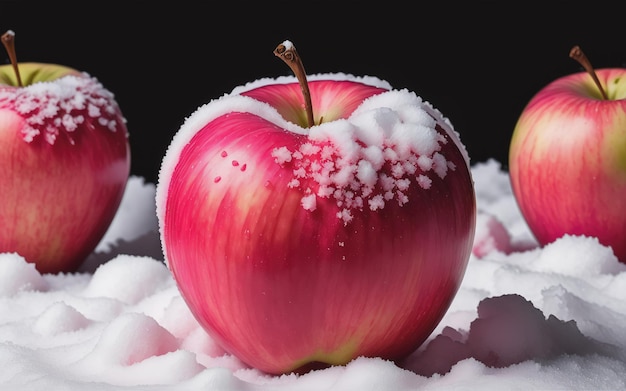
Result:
x=524 y=318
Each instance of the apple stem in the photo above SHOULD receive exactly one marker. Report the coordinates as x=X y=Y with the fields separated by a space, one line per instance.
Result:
x=287 y=52
x=8 y=40
x=577 y=54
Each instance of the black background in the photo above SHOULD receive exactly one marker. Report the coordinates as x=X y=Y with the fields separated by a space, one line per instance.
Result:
x=478 y=62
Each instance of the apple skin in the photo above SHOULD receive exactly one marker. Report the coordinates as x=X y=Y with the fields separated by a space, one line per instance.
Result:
x=567 y=160
x=286 y=289
x=60 y=188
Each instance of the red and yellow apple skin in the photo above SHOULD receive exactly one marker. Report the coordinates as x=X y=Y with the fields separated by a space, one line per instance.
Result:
x=65 y=161
x=567 y=160
x=286 y=286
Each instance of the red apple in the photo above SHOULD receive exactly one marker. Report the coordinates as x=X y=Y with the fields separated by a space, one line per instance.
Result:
x=300 y=246
x=567 y=158
x=65 y=161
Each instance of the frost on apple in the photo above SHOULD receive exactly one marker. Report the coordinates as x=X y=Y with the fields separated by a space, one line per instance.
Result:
x=374 y=157
x=59 y=107
x=390 y=146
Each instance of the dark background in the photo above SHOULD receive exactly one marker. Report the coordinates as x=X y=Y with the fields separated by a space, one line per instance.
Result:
x=478 y=62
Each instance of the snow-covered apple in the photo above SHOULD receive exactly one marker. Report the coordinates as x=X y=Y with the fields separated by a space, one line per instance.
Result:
x=65 y=161
x=567 y=157
x=311 y=220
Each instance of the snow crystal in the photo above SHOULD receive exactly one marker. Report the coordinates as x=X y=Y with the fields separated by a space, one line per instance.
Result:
x=287 y=44
x=308 y=202
x=282 y=155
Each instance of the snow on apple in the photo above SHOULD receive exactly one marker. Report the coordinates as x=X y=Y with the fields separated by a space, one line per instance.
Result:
x=301 y=245
x=346 y=162
x=58 y=109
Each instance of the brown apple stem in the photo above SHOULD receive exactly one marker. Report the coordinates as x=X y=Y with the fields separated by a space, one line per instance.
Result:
x=577 y=54
x=8 y=40
x=287 y=52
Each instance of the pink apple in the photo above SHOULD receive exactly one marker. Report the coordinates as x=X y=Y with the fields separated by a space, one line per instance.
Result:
x=65 y=161
x=300 y=247
x=567 y=159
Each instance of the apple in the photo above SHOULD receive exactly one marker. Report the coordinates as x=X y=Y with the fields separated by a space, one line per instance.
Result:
x=567 y=157
x=301 y=245
x=65 y=161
